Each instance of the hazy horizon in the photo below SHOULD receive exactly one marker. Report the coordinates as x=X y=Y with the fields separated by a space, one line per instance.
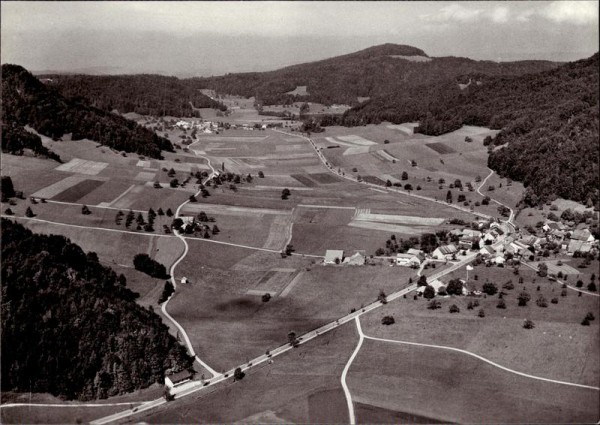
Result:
x=215 y=38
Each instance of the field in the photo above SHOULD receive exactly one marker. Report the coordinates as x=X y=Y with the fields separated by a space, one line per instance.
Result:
x=228 y=326
x=276 y=393
x=499 y=336
x=451 y=387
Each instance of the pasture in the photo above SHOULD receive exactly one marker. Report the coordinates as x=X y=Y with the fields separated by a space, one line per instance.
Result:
x=452 y=387
x=275 y=393
x=500 y=336
x=227 y=326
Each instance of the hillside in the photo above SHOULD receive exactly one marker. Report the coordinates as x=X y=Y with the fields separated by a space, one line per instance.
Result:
x=372 y=72
x=549 y=122
x=70 y=327
x=144 y=94
x=25 y=100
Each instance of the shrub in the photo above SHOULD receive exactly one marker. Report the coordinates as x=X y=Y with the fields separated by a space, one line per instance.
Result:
x=442 y=291
x=563 y=293
x=470 y=306
x=266 y=297
x=388 y=320
x=579 y=283
x=501 y=304
x=509 y=285
x=554 y=300
x=481 y=313
x=455 y=287
x=454 y=309
x=590 y=316
x=541 y=301
x=434 y=305
x=585 y=322
x=528 y=324
x=591 y=287
x=238 y=374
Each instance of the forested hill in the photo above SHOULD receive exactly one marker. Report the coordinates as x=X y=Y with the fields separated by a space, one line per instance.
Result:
x=372 y=72
x=25 y=100
x=71 y=328
x=549 y=121
x=144 y=94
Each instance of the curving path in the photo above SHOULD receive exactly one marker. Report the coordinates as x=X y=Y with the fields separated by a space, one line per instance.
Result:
x=173 y=281
x=477 y=356
x=361 y=337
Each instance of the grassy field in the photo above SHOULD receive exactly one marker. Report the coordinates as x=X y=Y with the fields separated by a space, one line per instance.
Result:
x=226 y=325
x=499 y=336
x=451 y=387
x=70 y=415
x=301 y=386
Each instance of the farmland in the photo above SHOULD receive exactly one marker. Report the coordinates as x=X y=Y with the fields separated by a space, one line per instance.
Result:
x=222 y=306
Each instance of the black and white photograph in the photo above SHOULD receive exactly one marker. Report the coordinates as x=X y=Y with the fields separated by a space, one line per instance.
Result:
x=300 y=212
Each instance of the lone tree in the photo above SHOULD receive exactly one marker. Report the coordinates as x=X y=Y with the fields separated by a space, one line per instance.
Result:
x=528 y=324
x=85 y=210
x=449 y=197
x=523 y=298
x=285 y=193
x=29 y=212
x=238 y=374
x=454 y=309
x=404 y=175
x=422 y=281
x=388 y=320
x=292 y=339
x=166 y=293
x=261 y=175
x=382 y=297
x=489 y=288
x=429 y=292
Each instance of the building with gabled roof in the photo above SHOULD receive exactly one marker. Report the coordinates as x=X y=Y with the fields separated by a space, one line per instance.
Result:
x=445 y=251
x=357 y=259
x=178 y=378
x=331 y=255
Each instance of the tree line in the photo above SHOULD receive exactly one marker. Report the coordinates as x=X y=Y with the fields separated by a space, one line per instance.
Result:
x=144 y=94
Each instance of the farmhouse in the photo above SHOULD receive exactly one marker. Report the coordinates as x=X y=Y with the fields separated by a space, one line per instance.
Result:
x=333 y=256
x=407 y=260
x=581 y=246
x=417 y=253
x=436 y=284
x=358 y=259
x=178 y=378
x=445 y=251
x=583 y=235
x=487 y=251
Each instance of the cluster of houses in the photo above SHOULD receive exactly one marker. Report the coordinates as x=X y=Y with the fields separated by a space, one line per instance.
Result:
x=207 y=127
x=580 y=239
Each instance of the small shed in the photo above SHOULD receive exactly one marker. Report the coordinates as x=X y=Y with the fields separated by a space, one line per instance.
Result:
x=178 y=378
x=184 y=280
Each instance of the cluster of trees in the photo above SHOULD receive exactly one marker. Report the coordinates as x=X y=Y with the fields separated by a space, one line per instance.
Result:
x=372 y=72
x=27 y=101
x=144 y=94
x=144 y=263
x=15 y=139
x=427 y=242
x=71 y=327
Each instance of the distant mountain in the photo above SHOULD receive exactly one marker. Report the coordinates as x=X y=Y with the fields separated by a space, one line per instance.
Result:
x=27 y=101
x=144 y=94
x=373 y=72
x=70 y=326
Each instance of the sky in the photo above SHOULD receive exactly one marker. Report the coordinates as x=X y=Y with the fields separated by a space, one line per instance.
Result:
x=214 y=38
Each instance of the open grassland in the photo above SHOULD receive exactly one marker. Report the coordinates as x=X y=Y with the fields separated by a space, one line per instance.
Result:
x=226 y=325
x=453 y=387
x=557 y=348
x=68 y=415
x=30 y=174
x=301 y=386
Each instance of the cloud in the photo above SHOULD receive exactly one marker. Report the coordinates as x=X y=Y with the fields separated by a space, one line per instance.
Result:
x=453 y=13
x=458 y=13
x=574 y=12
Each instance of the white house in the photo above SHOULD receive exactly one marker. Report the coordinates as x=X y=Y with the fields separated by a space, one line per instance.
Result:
x=499 y=260
x=331 y=255
x=178 y=378
x=407 y=260
x=445 y=251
